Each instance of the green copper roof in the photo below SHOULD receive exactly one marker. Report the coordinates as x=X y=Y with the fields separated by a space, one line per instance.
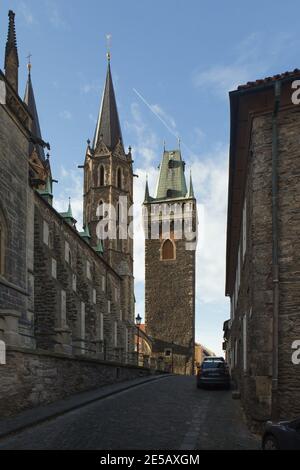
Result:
x=99 y=248
x=68 y=216
x=171 y=183
x=47 y=192
x=86 y=233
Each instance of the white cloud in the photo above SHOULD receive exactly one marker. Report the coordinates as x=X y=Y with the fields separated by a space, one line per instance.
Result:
x=54 y=15
x=67 y=115
x=254 y=57
x=70 y=185
x=26 y=13
x=166 y=117
x=145 y=142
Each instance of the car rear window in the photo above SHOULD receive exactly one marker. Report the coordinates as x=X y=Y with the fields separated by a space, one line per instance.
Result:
x=212 y=364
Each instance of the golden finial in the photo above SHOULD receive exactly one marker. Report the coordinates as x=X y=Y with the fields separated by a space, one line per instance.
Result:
x=29 y=62
x=108 y=44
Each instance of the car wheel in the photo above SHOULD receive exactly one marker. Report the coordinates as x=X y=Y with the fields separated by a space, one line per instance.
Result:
x=198 y=385
x=270 y=443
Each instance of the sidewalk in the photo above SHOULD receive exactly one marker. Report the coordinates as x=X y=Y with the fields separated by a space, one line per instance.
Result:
x=37 y=415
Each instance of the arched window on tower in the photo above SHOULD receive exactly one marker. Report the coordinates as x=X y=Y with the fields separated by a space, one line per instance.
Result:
x=119 y=178
x=168 y=250
x=102 y=176
x=3 y=242
x=101 y=210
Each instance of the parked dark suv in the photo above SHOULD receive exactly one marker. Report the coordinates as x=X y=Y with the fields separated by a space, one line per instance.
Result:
x=213 y=372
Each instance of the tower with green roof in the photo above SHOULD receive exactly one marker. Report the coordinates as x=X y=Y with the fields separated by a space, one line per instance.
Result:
x=170 y=220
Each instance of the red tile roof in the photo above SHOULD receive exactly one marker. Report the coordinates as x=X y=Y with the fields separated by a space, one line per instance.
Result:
x=267 y=80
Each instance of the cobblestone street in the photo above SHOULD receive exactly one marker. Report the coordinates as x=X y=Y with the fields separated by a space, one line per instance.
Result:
x=169 y=414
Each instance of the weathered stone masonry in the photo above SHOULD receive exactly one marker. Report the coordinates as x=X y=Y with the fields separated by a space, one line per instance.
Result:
x=251 y=286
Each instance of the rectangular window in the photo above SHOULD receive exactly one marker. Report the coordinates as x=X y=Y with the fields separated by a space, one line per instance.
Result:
x=116 y=334
x=101 y=327
x=232 y=306
x=74 y=282
x=245 y=342
x=94 y=296
x=103 y=283
x=126 y=340
x=244 y=229
x=63 y=311
x=46 y=233
x=82 y=327
x=88 y=270
x=54 y=268
x=116 y=294
x=67 y=253
x=108 y=306
x=235 y=353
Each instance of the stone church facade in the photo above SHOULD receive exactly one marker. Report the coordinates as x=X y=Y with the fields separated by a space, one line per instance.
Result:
x=62 y=291
x=170 y=220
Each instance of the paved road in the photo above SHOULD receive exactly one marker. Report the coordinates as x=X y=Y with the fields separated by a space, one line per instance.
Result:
x=169 y=414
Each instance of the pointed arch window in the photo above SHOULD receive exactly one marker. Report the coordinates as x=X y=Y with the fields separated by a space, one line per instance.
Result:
x=3 y=242
x=101 y=176
x=119 y=178
x=168 y=250
x=101 y=210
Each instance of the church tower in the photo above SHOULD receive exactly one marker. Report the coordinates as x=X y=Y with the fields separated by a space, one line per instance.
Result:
x=170 y=221
x=108 y=179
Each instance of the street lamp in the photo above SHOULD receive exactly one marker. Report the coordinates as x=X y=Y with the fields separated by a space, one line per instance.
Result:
x=138 y=321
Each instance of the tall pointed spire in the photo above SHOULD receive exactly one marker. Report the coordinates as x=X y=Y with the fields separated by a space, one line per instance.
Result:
x=190 y=193
x=108 y=128
x=11 y=63
x=29 y=99
x=147 y=194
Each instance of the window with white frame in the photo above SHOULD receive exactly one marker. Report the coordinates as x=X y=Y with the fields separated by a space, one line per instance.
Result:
x=63 y=310
x=46 y=234
x=54 y=268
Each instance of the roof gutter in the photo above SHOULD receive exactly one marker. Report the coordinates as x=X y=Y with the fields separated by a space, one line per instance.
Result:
x=275 y=261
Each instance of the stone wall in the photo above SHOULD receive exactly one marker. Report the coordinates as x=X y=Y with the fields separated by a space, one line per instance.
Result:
x=33 y=378
x=255 y=299
x=84 y=278
x=13 y=213
x=170 y=301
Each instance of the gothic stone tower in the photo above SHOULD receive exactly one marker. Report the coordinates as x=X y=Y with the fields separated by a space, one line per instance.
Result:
x=170 y=265
x=108 y=176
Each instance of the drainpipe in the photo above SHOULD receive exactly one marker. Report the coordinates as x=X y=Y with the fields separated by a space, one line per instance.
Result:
x=275 y=264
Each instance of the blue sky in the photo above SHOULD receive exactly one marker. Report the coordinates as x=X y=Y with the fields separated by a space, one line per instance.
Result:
x=182 y=57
